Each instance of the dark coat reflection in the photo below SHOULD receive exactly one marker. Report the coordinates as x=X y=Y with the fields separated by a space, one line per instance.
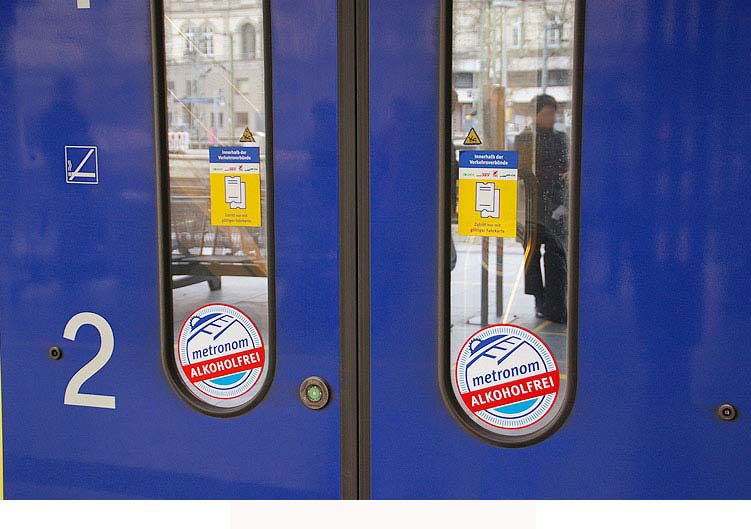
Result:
x=543 y=164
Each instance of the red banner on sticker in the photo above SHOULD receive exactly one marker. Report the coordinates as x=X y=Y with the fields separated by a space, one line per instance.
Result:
x=510 y=392
x=225 y=365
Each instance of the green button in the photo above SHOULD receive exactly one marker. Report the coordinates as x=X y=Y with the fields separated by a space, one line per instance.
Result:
x=314 y=393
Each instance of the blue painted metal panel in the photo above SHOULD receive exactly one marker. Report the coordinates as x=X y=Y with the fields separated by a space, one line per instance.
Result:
x=664 y=265
x=83 y=77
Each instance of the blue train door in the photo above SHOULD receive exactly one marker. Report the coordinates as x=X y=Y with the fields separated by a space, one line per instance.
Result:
x=558 y=257
x=425 y=249
x=171 y=271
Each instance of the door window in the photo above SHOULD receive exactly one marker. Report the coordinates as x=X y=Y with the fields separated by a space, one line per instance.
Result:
x=510 y=170
x=218 y=260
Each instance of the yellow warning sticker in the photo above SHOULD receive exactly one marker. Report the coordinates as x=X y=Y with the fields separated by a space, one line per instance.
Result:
x=487 y=193
x=472 y=138
x=235 y=181
x=248 y=136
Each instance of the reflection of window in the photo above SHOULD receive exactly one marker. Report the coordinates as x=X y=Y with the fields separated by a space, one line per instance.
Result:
x=241 y=119
x=523 y=78
x=207 y=40
x=463 y=80
x=217 y=119
x=248 y=35
x=187 y=117
x=191 y=87
x=559 y=77
x=190 y=39
x=243 y=85
x=515 y=37
x=553 y=32
x=463 y=117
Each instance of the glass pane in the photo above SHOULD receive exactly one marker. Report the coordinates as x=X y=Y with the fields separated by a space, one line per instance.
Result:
x=511 y=121
x=218 y=202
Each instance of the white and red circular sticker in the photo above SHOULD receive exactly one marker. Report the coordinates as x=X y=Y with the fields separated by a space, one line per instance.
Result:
x=220 y=355
x=506 y=377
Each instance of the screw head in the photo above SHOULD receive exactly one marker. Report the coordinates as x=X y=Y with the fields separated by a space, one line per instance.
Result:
x=55 y=353
x=727 y=412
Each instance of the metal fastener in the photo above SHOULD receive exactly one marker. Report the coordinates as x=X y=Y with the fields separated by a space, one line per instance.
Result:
x=55 y=353
x=727 y=412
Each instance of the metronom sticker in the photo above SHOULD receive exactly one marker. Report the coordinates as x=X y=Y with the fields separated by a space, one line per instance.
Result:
x=220 y=355
x=507 y=377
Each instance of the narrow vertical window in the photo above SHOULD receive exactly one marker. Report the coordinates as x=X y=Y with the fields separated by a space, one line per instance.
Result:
x=509 y=180
x=207 y=42
x=189 y=40
x=553 y=30
x=248 y=37
x=217 y=258
x=515 y=37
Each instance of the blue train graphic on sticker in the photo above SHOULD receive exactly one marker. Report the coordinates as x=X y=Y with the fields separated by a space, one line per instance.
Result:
x=506 y=377
x=220 y=355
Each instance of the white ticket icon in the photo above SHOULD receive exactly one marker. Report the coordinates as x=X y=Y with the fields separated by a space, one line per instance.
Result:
x=488 y=200
x=234 y=192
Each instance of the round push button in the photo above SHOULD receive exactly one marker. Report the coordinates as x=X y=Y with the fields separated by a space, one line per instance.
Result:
x=314 y=393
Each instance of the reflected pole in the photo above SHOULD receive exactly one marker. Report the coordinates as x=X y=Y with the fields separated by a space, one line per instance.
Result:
x=501 y=124
x=484 y=283
x=502 y=6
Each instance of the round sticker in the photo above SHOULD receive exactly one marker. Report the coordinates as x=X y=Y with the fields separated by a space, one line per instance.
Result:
x=220 y=355
x=506 y=377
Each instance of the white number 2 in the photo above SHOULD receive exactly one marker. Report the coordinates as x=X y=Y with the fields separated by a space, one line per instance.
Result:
x=73 y=396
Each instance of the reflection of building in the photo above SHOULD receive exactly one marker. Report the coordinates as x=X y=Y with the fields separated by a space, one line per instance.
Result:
x=504 y=53
x=214 y=52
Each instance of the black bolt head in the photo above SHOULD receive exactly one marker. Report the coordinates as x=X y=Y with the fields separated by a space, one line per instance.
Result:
x=727 y=412
x=55 y=353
